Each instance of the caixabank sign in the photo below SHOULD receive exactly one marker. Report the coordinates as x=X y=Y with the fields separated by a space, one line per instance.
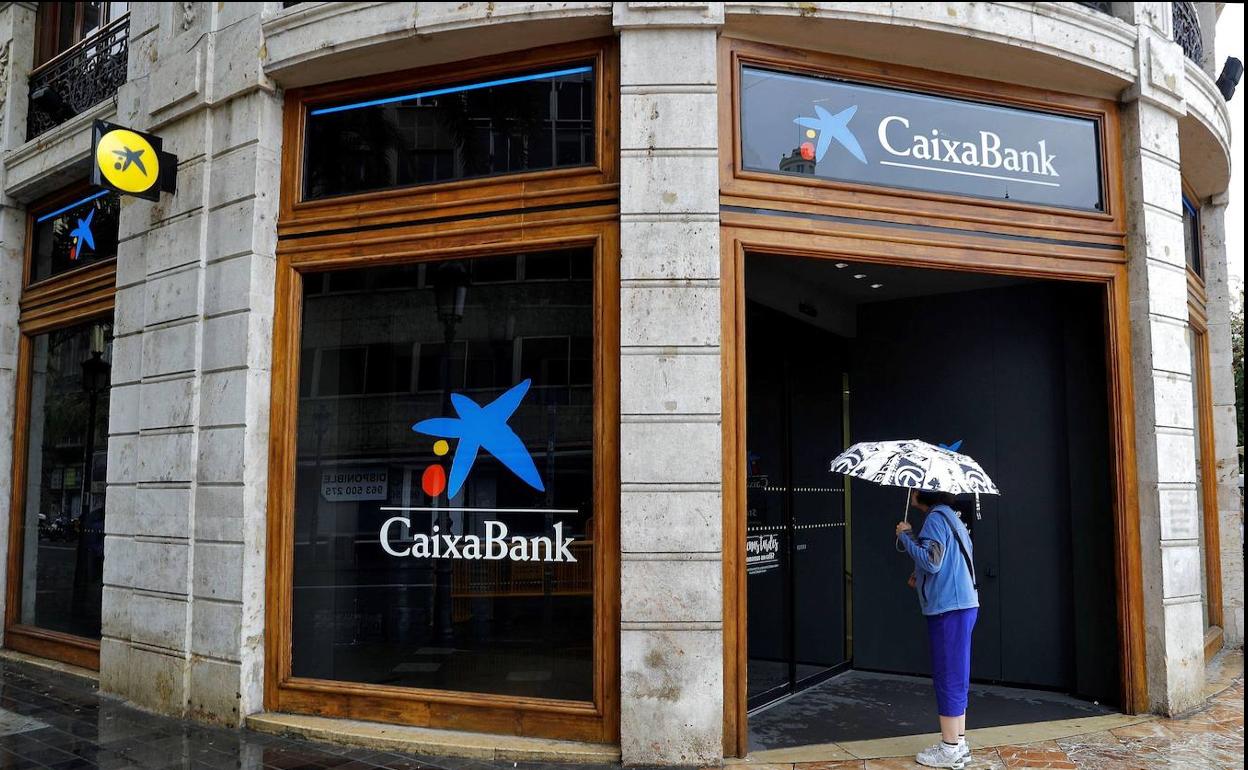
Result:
x=475 y=429
x=832 y=129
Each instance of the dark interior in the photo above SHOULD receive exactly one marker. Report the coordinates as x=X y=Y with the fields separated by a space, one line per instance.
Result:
x=1015 y=369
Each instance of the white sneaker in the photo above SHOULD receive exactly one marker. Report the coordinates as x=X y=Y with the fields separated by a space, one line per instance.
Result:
x=944 y=755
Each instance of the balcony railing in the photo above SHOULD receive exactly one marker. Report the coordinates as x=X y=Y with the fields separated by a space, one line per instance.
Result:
x=1187 y=31
x=79 y=78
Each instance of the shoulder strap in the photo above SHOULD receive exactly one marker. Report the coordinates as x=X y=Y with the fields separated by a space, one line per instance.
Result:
x=966 y=557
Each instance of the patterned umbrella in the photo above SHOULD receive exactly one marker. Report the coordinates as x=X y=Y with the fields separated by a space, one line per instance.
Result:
x=916 y=465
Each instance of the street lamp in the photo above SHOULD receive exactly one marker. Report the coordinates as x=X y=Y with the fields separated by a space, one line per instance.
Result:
x=450 y=292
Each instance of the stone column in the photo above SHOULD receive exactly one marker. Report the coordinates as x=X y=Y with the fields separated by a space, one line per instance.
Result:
x=17 y=24
x=184 y=550
x=1161 y=369
x=1225 y=436
x=671 y=689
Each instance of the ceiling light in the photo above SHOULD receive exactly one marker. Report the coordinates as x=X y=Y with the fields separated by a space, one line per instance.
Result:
x=860 y=276
x=842 y=265
x=877 y=286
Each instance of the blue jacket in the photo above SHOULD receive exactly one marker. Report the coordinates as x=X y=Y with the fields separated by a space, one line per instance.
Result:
x=942 y=579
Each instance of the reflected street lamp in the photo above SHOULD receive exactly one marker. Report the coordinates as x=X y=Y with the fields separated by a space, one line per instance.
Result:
x=96 y=378
x=450 y=292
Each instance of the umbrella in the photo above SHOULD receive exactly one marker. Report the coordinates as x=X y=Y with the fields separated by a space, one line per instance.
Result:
x=915 y=464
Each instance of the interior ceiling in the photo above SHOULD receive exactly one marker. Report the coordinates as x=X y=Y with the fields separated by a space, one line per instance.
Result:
x=878 y=284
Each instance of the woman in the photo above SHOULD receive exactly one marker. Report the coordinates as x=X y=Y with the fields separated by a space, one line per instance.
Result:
x=944 y=577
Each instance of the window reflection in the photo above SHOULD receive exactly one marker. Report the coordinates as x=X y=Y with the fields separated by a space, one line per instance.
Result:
x=1191 y=236
x=385 y=349
x=67 y=459
x=78 y=233
x=508 y=123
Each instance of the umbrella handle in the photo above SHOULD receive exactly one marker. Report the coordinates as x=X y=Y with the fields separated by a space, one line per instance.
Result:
x=906 y=518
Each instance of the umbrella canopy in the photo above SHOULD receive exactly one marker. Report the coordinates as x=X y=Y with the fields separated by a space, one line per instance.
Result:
x=914 y=464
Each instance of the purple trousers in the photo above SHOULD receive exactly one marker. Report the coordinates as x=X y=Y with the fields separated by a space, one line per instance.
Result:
x=950 y=637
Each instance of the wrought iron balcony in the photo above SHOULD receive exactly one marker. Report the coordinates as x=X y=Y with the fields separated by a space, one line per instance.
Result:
x=79 y=78
x=1187 y=31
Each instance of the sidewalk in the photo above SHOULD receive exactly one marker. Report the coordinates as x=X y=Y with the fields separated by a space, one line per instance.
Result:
x=53 y=720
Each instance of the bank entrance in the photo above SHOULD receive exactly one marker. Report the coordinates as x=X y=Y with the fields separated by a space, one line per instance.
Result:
x=1015 y=369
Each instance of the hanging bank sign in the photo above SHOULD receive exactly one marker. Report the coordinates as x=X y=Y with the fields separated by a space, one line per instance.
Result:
x=798 y=124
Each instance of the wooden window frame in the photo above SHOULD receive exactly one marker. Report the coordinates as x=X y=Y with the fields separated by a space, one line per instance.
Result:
x=444 y=201
x=743 y=187
x=47 y=22
x=838 y=221
x=66 y=299
x=513 y=213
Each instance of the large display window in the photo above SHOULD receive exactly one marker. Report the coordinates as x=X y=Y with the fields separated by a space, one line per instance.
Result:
x=443 y=486
x=444 y=497
x=60 y=452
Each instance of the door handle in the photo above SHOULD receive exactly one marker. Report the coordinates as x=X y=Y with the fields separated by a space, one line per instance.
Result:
x=992 y=571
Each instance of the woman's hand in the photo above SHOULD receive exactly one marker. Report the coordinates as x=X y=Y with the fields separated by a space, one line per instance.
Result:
x=912 y=581
x=903 y=527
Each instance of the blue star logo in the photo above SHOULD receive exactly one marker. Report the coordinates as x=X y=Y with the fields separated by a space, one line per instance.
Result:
x=82 y=235
x=484 y=427
x=832 y=127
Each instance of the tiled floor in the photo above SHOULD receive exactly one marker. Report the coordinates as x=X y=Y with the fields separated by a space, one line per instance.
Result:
x=50 y=720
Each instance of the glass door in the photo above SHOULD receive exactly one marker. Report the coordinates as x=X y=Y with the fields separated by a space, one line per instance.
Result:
x=796 y=566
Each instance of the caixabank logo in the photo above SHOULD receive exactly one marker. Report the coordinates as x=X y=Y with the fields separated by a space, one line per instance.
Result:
x=984 y=155
x=476 y=429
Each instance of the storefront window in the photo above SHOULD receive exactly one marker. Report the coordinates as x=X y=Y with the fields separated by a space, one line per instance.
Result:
x=67 y=454
x=444 y=511
x=78 y=233
x=527 y=121
x=1191 y=236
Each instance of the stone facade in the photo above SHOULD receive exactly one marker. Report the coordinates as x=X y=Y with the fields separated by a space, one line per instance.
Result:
x=671 y=677
x=184 y=552
x=188 y=450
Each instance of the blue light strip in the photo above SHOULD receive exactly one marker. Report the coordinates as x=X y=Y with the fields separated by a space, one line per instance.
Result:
x=72 y=206
x=452 y=90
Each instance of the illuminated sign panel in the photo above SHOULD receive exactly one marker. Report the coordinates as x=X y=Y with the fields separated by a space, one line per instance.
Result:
x=849 y=132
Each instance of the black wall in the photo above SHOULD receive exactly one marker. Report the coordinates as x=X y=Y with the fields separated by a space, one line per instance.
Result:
x=1019 y=375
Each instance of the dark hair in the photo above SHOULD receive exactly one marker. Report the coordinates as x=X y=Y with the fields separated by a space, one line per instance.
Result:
x=932 y=498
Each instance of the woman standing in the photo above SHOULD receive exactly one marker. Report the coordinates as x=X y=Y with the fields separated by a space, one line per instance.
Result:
x=944 y=577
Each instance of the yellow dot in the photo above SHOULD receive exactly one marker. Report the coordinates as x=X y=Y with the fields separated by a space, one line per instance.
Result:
x=810 y=133
x=440 y=447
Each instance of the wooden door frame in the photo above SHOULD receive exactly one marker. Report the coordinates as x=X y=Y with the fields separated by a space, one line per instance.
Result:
x=739 y=239
x=826 y=219
x=66 y=299
x=504 y=214
x=1202 y=389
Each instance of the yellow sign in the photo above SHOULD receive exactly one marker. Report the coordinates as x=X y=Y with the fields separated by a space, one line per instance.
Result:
x=131 y=162
x=127 y=160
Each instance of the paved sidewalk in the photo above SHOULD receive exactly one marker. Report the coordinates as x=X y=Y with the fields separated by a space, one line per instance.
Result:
x=52 y=720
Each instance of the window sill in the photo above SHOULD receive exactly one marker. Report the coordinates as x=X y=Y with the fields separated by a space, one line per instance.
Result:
x=424 y=740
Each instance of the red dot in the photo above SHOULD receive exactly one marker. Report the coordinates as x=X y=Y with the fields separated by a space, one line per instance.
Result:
x=808 y=151
x=433 y=480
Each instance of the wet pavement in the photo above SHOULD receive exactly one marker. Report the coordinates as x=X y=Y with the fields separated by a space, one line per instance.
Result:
x=53 y=720
x=863 y=705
